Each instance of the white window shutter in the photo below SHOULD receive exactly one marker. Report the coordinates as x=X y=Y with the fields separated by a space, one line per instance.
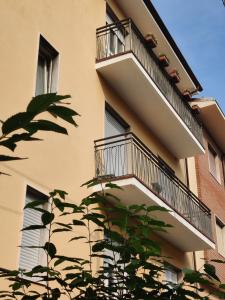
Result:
x=112 y=126
x=30 y=257
x=212 y=162
x=171 y=275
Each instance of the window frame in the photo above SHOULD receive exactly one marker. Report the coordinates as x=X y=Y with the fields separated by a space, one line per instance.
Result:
x=219 y=223
x=214 y=170
x=50 y=58
x=116 y=116
x=115 y=38
x=34 y=193
x=171 y=268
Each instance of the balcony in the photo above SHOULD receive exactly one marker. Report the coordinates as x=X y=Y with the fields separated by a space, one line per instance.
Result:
x=128 y=64
x=125 y=160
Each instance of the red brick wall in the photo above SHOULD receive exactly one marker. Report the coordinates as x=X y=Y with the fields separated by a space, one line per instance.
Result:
x=212 y=193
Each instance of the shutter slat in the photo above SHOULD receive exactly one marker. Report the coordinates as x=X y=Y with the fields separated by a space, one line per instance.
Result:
x=29 y=257
x=112 y=126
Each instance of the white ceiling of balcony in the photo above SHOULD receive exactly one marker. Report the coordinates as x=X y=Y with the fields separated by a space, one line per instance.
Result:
x=139 y=13
x=128 y=78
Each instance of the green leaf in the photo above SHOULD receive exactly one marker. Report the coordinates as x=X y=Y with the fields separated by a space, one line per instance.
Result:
x=59 y=204
x=187 y=271
x=64 y=113
x=47 y=218
x=61 y=193
x=194 y=277
x=94 y=216
x=64 y=225
x=72 y=268
x=67 y=258
x=112 y=186
x=98 y=246
x=16 y=286
x=61 y=282
x=77 y=238
x=17 y=121
x=9 y=273
x=51 y=249
x=39 y=269
x=59 y=261
x=41 y=103
x=44 y=125
x=156 y=208
x=55 y=293
x=8 y=158
x=34 y=227
x=78 y=222
x=35 y=203
x=29 y=297
x=6 y=295
x=222 y=286
x=211 y=271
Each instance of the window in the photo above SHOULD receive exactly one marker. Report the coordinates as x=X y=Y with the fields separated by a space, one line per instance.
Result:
x=47 y=68
x=110 y=264
x=116 y=157
x=214 y=163
x=115 y=38
x=172 y=274
x=30 y=257
x=114 y=268
x=114 y=123
x=220 y=236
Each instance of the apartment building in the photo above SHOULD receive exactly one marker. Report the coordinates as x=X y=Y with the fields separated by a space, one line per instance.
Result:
x=132 y=86
x=210 y=173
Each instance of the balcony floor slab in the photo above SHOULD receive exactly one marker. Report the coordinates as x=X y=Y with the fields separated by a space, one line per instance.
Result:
x=183 y=234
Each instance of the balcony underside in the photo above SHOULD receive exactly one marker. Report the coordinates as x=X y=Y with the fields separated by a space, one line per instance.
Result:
x=129 y=79
x=183 y=234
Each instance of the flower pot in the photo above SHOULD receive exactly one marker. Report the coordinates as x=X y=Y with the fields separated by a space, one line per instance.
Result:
x=175 y=76
x=187 y=95
x=164 y=61
x=151 y=40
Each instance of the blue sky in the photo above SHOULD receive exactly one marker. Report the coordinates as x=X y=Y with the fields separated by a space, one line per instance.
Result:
x=198 y=27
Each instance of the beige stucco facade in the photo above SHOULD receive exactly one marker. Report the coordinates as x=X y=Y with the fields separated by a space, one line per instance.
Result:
x=61 y=161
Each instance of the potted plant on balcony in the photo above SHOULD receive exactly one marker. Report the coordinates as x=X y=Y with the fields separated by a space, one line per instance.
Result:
x=187 y=95
x=151 y=41
x=175 y=77
x=164 y=61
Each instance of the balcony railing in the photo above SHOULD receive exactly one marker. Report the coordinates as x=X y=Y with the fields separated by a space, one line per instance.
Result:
x=123 y=37
x=125 y=156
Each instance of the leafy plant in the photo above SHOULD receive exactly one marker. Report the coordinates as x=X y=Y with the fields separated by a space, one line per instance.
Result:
x=25 y=125
x=119 y=237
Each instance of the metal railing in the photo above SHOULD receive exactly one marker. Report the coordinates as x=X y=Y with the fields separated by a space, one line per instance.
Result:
x=126 y=156
x=123 y=37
